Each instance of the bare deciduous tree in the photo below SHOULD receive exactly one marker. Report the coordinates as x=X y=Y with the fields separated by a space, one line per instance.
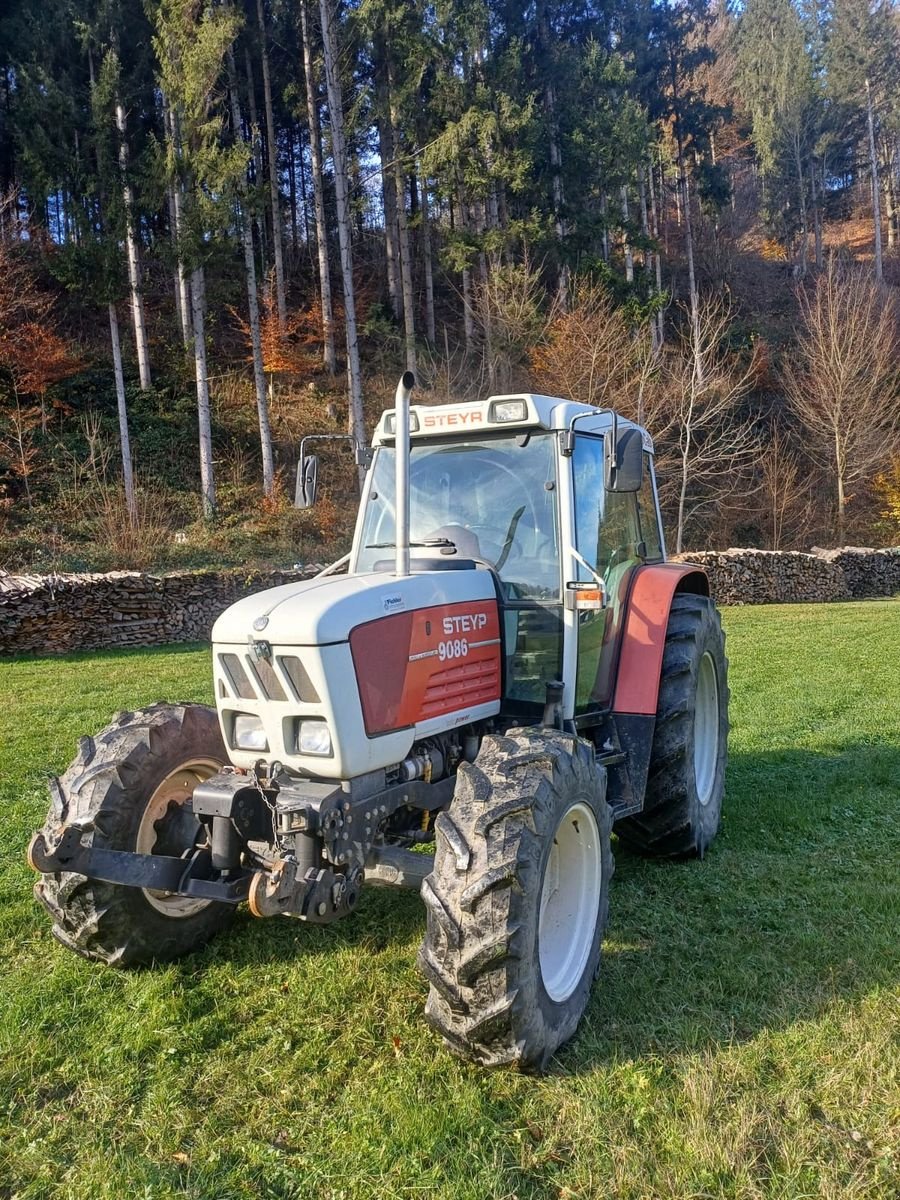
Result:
x=700 y=421
x=590 y=353
x=844 y=384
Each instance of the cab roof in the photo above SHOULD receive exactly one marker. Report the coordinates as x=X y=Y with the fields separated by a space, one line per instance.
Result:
x=518 y=410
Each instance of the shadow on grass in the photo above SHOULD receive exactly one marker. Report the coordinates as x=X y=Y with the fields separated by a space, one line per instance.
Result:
x=789 y=912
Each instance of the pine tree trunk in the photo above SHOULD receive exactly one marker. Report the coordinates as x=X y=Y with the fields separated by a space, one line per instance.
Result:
x=183 y=283
x=259 y=374
x=426 y=262
x=256 y=143
x=876 y=186
x=207 y=480
x=315 y=151
x=124 y=438
x=274 y=189
x=654 y=217
x=684 y=191
x=626 y=241
x=292 y=192
x=344 y=220
x=817 y=216
x=555 y=152
x=134 y=261
x=176 y=277
x=890 y=205
x=387 y=152
x=400 y=184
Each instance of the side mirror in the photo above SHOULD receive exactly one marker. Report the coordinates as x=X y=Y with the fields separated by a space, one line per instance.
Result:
x=307 y=481
x=623 y=460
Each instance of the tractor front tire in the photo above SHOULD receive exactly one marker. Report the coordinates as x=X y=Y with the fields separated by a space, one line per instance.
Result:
x=128 y=789
x=686 y=779
x=518 y=899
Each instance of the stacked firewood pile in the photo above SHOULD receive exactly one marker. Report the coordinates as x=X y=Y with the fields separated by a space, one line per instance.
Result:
x=51 y=614
x=867 y=573
x=788 y=577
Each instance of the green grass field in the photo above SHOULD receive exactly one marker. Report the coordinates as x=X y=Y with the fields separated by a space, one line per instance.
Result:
x=743 y=1039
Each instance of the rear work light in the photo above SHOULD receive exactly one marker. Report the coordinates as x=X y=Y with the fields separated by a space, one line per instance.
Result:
x=508 y=410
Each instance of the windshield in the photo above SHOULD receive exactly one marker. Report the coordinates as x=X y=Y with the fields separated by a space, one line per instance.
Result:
x=493 y=498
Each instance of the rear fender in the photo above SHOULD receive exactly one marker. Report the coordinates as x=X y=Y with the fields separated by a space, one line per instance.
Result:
x=636 y=694
x=644 y=635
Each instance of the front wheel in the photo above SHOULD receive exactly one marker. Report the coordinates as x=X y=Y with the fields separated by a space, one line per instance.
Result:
x=129 y=788
x=518 y=899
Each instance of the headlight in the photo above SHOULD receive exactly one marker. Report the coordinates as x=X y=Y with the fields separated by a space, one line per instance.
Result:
x=249 y=733
x=314 y=738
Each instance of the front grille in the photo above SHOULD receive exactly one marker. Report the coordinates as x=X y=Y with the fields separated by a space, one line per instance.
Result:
x=249 y=678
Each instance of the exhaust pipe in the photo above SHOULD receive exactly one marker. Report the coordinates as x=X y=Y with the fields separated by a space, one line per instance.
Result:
x=401 y=487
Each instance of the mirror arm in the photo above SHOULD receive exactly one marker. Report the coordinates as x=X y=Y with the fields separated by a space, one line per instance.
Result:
x=567 y=436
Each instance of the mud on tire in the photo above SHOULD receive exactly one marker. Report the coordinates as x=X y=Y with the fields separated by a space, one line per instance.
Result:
x=482 y=951
x=683 y=800
x=106 y=791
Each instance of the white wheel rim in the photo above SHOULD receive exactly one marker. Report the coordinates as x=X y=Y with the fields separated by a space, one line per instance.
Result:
x=706 y=729
x=570 y=900
x=176 y=788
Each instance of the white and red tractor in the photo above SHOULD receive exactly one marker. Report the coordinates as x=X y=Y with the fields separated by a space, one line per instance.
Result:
x=506 y=668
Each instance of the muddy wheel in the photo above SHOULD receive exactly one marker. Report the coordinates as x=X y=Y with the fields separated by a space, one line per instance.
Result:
x=518 y=899
x=128 y=788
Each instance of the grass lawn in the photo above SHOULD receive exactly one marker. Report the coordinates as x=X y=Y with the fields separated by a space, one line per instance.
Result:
x=743 y=1039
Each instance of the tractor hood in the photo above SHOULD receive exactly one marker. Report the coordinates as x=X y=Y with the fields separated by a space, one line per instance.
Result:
x=317 y=612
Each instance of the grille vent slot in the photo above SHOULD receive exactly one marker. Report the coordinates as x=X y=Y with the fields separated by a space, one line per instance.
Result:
x=237 y=677
x=299 y=679
x=268 y=680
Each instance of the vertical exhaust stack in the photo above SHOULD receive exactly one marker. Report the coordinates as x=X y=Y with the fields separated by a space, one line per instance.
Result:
x=401 y=450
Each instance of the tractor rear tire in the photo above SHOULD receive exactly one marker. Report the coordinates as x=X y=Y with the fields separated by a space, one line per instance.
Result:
x=686 y=780
x=127 y=789
x=518 y=900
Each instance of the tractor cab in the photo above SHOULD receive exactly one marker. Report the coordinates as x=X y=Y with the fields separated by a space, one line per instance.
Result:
x=520 y=485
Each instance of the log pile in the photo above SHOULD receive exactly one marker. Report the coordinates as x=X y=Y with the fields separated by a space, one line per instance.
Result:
x=769 y=576
x=52 y=614
x=867 y=573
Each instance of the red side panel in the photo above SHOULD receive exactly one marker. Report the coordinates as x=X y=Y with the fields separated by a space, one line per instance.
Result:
x=643 y=640
x=414 y=666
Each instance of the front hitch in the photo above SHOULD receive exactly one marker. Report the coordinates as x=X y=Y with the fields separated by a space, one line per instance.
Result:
x=192 y=875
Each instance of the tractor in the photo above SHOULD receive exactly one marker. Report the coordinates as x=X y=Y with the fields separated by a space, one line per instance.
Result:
x=502 y=669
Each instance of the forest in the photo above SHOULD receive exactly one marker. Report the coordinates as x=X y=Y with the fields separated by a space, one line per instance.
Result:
x=225 y=224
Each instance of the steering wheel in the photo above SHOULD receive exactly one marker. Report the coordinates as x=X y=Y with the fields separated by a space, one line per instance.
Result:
x=492 y=547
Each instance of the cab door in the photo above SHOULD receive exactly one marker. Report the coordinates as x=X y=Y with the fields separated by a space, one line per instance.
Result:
x=608 y=536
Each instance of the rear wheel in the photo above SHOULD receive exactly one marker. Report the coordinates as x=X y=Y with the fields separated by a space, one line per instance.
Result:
x=518 y=899
x=686 y=781
x=129 y=788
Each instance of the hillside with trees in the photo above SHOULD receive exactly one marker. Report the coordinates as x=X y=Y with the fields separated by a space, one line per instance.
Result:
x=224 y=225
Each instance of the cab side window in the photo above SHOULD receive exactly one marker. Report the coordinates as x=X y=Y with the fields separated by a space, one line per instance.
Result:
x=607 y=524
x=650 y=533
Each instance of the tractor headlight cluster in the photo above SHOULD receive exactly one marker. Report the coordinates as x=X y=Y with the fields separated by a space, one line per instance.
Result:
x=249 y=733
x=314 y=737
